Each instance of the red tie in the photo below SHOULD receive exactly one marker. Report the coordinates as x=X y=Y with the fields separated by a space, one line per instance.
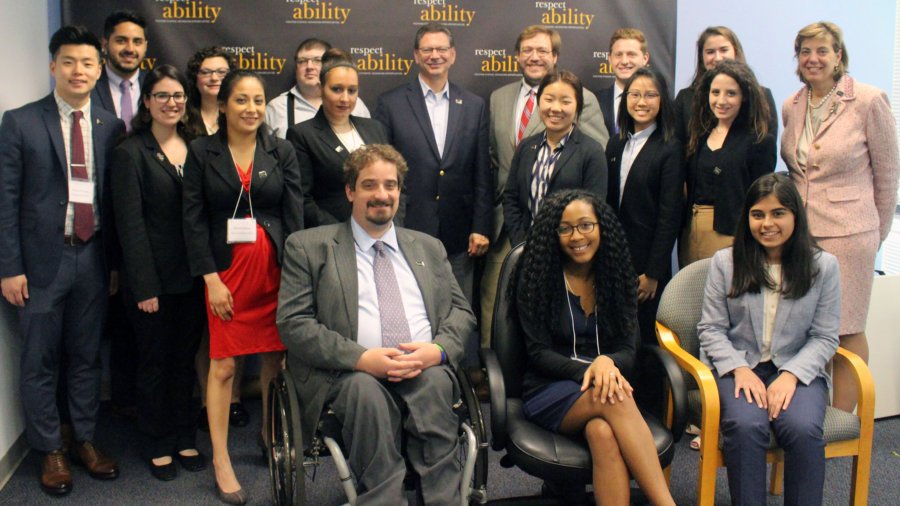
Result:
x=84 y=213
x=526 y=115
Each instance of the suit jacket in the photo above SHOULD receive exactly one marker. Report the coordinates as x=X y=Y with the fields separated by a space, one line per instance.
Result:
x=103 y=96
x=321 y=157
x=850 y=183
x=449 y=196
x=607 y=99
x=146 y=191
x=34 y=188
x=318 y=307
x=684 y=102
x=742 y=161
x=804 y=338
x=581 y=164
x=503 y=135
x=652 y=204
x=211 y=189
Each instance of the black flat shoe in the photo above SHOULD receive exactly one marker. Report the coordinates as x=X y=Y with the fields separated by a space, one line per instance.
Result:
x=165 y=472
x=192 y=463
x=238 y=415
x=203 y=420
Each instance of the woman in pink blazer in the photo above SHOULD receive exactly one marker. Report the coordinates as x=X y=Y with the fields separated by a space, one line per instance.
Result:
x=840 y=144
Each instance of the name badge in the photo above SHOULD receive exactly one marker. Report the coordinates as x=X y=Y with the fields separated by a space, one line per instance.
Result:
x=81 y=192
x=242 y=230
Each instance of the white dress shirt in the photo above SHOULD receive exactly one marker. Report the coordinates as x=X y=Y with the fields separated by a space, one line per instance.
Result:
x=521 y=100
x=438 y=105
x=115 y=89
x=633 y=148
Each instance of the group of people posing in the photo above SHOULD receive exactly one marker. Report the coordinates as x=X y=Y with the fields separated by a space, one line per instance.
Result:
x=372 y=297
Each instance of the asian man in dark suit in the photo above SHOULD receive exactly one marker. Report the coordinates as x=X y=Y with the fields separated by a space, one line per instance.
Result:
x=442 y=132
x=55 y=220
x=373 y=321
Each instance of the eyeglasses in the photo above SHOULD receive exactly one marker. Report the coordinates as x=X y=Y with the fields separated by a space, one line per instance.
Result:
x=585 y=227
x=636 y=96
x=209 y=72
x=443 y=50
x=308 y=61
x=162 y=97
x=528 y=51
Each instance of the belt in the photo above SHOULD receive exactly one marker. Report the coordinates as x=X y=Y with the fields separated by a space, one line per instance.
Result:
x=74 y=240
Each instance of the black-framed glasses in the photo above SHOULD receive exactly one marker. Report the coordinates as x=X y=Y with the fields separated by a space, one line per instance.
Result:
x=585 y=227
x=208 y=72
x=161 y=97
x=317 y=61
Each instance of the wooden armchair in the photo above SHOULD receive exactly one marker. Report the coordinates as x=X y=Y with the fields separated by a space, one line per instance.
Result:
x=845 y=434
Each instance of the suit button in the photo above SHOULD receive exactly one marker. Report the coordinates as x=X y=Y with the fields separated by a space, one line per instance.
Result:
x=267 y=224
x=441 y=173
x=815 y=166
x=62 y=202
x=816 y=145
x=437 y=197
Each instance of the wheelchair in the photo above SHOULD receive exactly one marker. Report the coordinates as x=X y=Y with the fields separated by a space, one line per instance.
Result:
x=289 y=463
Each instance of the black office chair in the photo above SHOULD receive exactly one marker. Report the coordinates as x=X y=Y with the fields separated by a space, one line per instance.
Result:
x=554 y=458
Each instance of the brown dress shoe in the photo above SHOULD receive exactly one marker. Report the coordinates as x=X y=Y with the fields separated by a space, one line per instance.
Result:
x=99 y=466
x=56 y=478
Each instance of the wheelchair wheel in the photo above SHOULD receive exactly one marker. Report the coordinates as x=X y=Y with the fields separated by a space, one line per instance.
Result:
x=476 y=493
x=286 y=451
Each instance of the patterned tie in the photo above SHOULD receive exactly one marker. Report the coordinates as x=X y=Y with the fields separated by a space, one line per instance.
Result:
x=84 y=213
x=526 y=115
x=126 y=107
x=394 y=325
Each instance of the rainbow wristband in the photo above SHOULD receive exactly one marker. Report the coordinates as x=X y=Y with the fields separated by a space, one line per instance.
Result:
x=443 y=353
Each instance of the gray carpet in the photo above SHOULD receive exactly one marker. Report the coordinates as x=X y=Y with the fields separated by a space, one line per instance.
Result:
x=136 y=486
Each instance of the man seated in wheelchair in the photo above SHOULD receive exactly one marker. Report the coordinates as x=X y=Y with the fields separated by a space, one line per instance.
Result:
x=372 y=318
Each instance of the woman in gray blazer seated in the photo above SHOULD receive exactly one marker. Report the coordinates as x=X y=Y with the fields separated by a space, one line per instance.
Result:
x=325 y=141
x=769 y=328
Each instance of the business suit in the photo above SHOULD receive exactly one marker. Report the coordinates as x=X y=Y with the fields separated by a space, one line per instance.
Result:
x=650 y=211
x=147 y=200
x=67 y=304
x=103 y=96
x=582 y=164
x=804 y=338
x=684 y=103
x=607 y=99
x=849 y=184
x=321 y=157
x=318 y=322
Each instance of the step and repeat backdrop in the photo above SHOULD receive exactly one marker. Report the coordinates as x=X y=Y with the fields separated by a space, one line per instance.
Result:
x=379 y=34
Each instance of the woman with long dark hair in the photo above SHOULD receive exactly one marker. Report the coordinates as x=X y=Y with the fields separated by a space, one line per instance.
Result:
x=575 y=293
x=206 y=70
x=242 y=198
x=163 y=300
x=769 y=327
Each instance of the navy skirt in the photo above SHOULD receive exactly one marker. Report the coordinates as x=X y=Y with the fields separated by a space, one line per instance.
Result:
x=549 y=405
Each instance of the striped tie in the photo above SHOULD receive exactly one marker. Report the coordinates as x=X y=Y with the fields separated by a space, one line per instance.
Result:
x=526 y=115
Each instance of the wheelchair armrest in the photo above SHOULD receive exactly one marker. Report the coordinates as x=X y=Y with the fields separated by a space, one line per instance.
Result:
x=498 y=397
x=678 y=388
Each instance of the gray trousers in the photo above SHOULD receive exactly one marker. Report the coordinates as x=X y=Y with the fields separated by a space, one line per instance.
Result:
x=374 y=413
x=463 y=267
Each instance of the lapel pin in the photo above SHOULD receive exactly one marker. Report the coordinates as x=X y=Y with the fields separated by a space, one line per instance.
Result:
x=458 y=101
x=160 y=157
x=263 y=174
x=99 y=121
x=613 y=160
x=420 y=263
x=339 y=149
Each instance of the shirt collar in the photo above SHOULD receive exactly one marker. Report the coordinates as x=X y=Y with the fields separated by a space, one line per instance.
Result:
x=66 y=110
x=526 y=88
x=365 y=241
x=116 y=79
x=445 y=93
x=617 y=91
x=643 y=134
x=562 y=142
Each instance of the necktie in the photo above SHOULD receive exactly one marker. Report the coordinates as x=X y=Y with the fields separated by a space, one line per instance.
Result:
x=394 y=325
x=84 y=213
x=526 y=115
x=126 y=107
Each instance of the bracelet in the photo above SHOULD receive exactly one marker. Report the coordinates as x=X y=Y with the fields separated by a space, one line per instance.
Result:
x=443 y=353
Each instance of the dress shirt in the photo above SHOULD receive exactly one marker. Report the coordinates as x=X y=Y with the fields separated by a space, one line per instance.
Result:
x=115 y=83
x=369 y=317
x=633 y=147
x=617 y=99
x=771 y=296
x=542 y=171
x=65 y=121
x=521 y=100
x=276 y=111
x=438 y=105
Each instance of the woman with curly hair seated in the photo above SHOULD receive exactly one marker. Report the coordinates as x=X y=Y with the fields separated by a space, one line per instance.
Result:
x=576 y=300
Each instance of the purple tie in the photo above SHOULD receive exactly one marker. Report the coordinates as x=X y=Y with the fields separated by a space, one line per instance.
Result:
x=126 y=107
x=394 y=325
x=84 y=213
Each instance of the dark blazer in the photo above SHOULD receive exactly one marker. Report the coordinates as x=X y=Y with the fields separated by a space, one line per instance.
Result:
x=34 y=188
x=684 y=102
x=581 y=164
x=653 y=201
x=103 y=96
x=741 y=161
x=606 y=98
x=146 y=191
x=211 y=189
x=318 y=307
x=449 y=196
x=321 y=157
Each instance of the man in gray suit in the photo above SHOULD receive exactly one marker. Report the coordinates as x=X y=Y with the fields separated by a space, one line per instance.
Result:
x=537 y=51
x=373 y=319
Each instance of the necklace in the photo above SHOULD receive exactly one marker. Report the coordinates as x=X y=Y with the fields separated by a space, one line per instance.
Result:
x=824 y=99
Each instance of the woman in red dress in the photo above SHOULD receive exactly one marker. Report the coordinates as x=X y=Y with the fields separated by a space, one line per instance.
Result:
x=242 y=198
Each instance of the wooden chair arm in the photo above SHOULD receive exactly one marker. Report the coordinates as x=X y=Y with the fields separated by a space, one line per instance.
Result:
x=865 y=385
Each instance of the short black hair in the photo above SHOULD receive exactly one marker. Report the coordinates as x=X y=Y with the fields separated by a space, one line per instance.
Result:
x=73 y=35
x=121 y=16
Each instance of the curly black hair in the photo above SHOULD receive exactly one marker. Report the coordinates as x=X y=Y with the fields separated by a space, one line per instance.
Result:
x=538 y=280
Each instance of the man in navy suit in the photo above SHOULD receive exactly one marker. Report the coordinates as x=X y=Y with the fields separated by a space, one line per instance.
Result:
x=442 y=132
x=54 y=217
x=627 y=53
